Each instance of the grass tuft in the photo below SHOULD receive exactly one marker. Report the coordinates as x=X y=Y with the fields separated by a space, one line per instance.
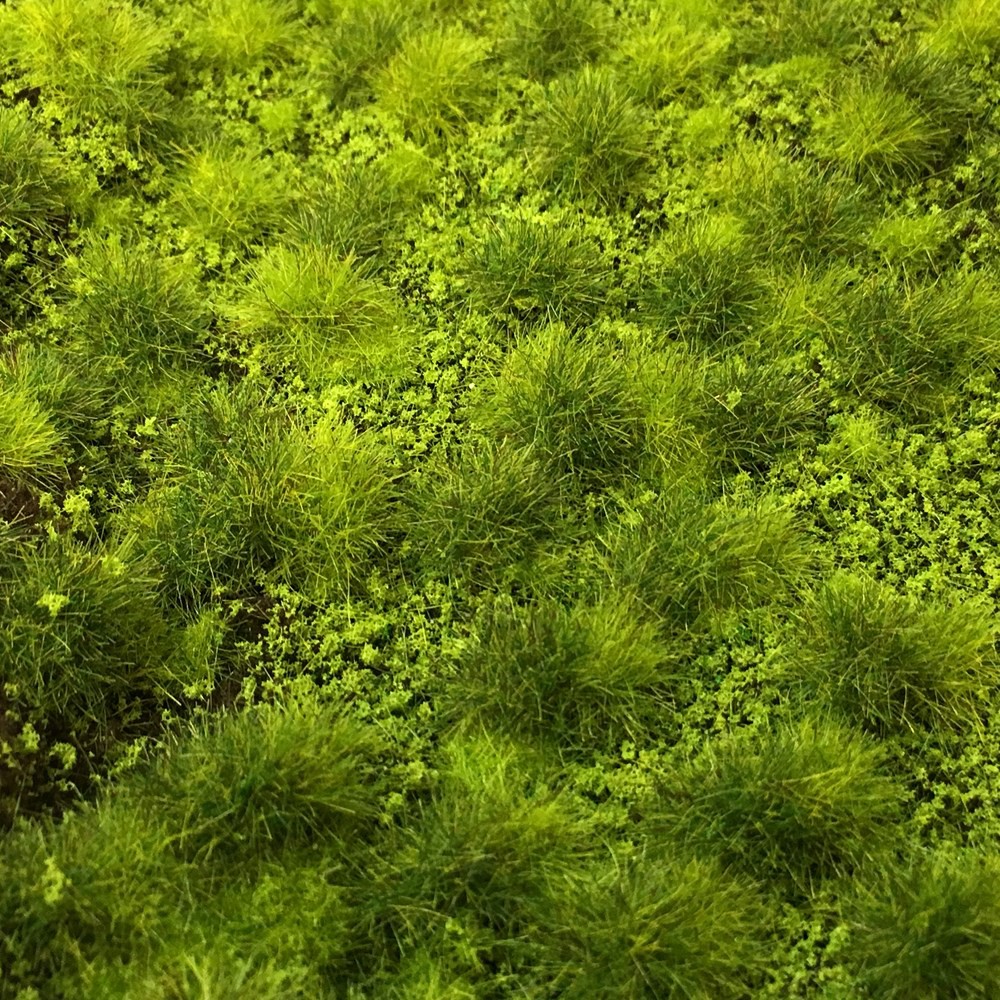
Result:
x=931 y=929
x=891 y=663
x=435 y=83
x=546 y=37
x=235 y=35
x=589 y=137
x=803 y=802
x=533 y=270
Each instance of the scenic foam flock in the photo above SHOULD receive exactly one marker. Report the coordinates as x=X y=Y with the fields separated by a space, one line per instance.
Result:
x=499 y=499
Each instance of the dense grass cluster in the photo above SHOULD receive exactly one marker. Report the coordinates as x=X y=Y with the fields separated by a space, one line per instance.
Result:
x=498 y=499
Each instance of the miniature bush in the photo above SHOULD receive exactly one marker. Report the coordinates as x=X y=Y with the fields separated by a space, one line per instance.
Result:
x=575 y=400
x=932 y=928
x=532 y=270
x=434 y=83
x=686 y=558
x=703 y=281
x=100 y=60
x=234 y=35
x=655 y=925
x=33 y=189
x=83 y=628
x=591 y=673
x=805 y=801
x=252 y=493
x=312 y=309
x=892 y=663
x=588 y=136
x=545 y=37
x=229 y=196
x=251 y=783
x=489 y=508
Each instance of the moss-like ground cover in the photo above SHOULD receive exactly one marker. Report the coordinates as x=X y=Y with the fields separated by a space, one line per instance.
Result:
x=499 y=499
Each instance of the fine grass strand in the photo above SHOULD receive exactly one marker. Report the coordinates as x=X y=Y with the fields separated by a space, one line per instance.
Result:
x=544 y=37
x=891 y=663
x=590 y=674
x=656 y=924
x=802 y=802
x=580 y=404
x=930 y=929
x=589 y=137
x=435 y=83
x=534 y=270
x=31 y=445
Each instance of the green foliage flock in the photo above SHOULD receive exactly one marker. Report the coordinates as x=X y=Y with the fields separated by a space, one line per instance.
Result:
x=498 y=499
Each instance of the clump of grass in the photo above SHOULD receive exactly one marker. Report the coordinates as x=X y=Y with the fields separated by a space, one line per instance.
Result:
x=264 y=779
x=250 y=491
x=793 y=210
x=33 y=188
x=356 y=209
x=664 y=57
x=783 y=29
x=358 y=37
x=756 y=409
x=229 y=196
x=480 y=853
x=83 y=628
x=584 y=675
x=141 y=313
x=931 y=929
x=485 y=511
x=235 y=35
x=892 y=663
x=31 y=445
x=580 y=404
x=900 y=118
x=101 y=61
x=905 y=345
x=964 y=28
x=803 y=802
x=589 y=136
x=435 y=83
x=534 y=270
x=657 y=925
x=703 y=281
x=687 y=558
x=546 y=37
x=313 y=309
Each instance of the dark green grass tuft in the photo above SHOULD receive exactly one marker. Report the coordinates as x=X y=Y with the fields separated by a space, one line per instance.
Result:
x=931 y=929
x=544 y=37
x=892 y=663
x=589 y=137
x=589 y=674
x=803 y=802
x=535 y=270
x=576 y=400
x=655 y=925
